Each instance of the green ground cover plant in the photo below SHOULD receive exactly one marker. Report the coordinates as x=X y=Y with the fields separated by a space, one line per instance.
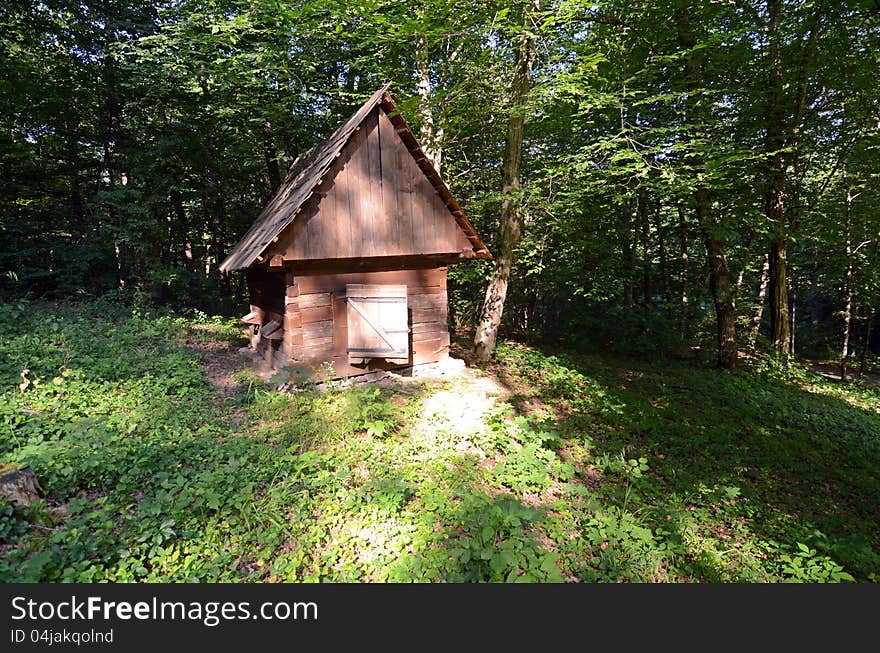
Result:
x=581 y=468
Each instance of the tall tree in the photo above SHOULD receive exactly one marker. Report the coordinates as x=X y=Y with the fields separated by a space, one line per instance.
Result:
x=707 y=217
x=511 y=189
x=785 y=118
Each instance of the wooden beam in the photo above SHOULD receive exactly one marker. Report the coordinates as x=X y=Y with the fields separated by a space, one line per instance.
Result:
x=253 y=317
x=271 y=328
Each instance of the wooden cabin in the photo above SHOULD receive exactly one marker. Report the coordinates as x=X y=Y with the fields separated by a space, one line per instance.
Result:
x=346 y=265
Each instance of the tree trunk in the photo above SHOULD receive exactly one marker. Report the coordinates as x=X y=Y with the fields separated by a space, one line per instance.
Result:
x=511 y=200
x=762 y=296
x=430 y=136
x=682 y=234
x=774 y=200
x=647 y=257
x=719 y=279
x=664 y=263
x=741 y=275
x=271 y=155
x=793 y=304
x=111 y=138
x=182 y=229
x=218 y=238
x=872 y=313
x=782 y=134
x=867 y=341
x=847 y=284
x=815 y=288
x=780 y=327
x=77 y=204
x=719 y=276
x=627 y=256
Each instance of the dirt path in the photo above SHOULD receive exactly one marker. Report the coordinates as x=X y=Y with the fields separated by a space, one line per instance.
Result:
x=222 y=361
x=831 y=371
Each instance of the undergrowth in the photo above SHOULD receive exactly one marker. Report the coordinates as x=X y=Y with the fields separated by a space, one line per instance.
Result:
x=584 y=468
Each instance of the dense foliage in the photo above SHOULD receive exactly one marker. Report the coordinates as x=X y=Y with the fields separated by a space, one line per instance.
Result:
x=576 y=467
x=697 y=185
x=679 y=160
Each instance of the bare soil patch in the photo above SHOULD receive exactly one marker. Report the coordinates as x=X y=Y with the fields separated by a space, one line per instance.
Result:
x=832 y=371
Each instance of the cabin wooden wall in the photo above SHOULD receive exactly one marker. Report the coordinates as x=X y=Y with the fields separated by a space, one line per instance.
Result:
x=315 y=318
x=266 y=292
x=375 y=201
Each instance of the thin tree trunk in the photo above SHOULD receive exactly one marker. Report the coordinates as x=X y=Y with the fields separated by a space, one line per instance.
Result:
x=866 y=341
x=430 y=135
x=628 y=258
x=719 y=279
x=183 y=229
x=815 y=307
x=743 y=268
x=120 y=275
x=762 y=296
x=511 y=200
x=271 y=156
x=77 y=205
x=739 y=282
x=110 y=143
x=218 y=238
x=780 y=329
x=647 y=256
x=682 y=235
x=664 y=263
x=848 y=288
x=872 y=314
x=792 y=321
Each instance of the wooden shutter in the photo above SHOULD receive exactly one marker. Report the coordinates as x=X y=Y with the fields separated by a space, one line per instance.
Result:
x=377 y=321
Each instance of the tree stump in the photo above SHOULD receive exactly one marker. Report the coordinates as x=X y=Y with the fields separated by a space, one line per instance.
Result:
x=19 y=486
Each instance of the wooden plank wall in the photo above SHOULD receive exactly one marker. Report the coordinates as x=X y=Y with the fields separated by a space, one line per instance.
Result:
x=316 y=325
x=374 y=201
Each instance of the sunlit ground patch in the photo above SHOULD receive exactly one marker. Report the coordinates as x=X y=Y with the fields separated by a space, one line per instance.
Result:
x=450 y=418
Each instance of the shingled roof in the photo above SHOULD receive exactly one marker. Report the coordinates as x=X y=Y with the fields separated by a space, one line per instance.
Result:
x=309 y=170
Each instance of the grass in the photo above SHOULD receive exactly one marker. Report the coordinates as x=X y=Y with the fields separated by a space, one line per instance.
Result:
x=568 y=467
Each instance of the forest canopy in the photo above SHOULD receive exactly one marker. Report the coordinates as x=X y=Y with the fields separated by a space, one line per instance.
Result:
x=691 y=173
x=668 y=372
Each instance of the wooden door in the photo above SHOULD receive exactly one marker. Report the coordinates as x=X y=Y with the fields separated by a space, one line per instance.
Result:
x=377 y=321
